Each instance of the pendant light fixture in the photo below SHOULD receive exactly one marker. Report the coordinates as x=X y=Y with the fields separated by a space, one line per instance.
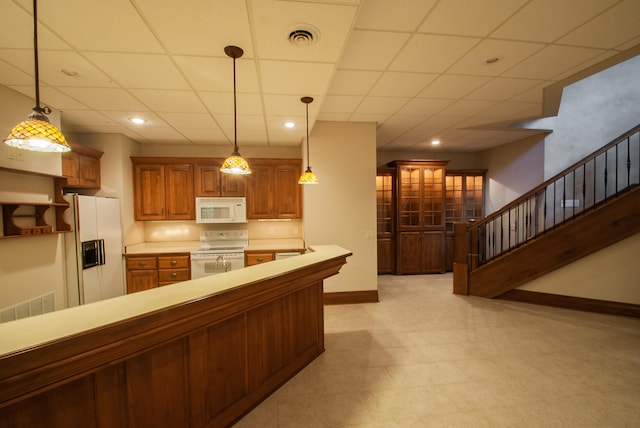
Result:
x=235 y=164
x=36 y=133
x=307 y=177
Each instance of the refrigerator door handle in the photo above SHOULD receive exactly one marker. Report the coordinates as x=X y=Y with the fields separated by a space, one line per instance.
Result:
x=101 y=252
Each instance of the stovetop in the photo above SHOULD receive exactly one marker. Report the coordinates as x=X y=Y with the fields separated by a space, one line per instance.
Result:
x=222 y=241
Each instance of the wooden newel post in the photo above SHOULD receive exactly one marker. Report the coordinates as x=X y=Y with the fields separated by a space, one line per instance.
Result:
x=460 y=258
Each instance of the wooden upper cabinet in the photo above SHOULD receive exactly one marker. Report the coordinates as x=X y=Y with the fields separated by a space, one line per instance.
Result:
x=179 y=196
x=210 y=182
x=81 y=167
x=287 y=192
x=421 y=194
x=273 y=190
x=163 y=191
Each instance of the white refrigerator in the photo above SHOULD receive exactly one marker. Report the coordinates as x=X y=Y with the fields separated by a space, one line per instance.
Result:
x=93 y=249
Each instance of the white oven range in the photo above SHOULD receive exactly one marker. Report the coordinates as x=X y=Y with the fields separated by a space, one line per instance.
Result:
x=220 y=251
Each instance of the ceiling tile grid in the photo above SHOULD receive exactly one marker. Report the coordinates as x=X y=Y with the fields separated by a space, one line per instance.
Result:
x=420 y=69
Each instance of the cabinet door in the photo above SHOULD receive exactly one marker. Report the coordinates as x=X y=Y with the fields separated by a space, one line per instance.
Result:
x=70 y=168
x=287 y=191
x=89 y=171
x=260 y=192
x=149 y=193
x=409 y=197
x=409 y=252
x=232 y=185
x=385 y=256
x=207 y=180
x=180 y=202
x=140 y=280
x=433 y=197
x=433 y=257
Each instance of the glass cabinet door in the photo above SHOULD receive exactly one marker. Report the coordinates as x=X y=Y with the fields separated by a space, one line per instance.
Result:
x=384 y=201
x=409 y=197
x=432 y=194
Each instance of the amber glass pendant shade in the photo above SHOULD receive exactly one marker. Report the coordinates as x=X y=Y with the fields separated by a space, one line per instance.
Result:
x=308 y=177
x=235 y=164
x=36 y=133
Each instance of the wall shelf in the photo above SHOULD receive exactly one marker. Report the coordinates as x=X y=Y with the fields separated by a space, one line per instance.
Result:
x=38 y=226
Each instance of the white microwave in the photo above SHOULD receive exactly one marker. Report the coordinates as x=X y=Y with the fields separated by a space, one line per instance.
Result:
x=221 y=210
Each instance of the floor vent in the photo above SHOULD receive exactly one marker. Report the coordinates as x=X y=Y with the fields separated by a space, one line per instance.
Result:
x=37 y=306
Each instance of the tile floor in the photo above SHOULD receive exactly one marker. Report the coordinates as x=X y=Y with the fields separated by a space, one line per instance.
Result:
x=423 y=357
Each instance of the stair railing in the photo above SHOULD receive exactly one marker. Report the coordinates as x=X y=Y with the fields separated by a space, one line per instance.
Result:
x=605 y=174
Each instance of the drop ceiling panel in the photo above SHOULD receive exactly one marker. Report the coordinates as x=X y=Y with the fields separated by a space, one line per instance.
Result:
x=371 y=50
x=341 y=104
x=467 y=107
x=353 y=82
x=610 y=29
x=424 y=106
x=378 y=105
x=222 y=102
x=216 y=74
x=295 y=78
x=199 y=27
x=552 y=61
x=105 y=98
x=509 y=54
x=290 y=106
x=432 y=53
x=469 y=18
x=189 y=120
x=10 y=75
x=205 y=136
x=140 y=71
x=169 y=101
x=453 y=86
x=274 y=20
x=401 y=84
x=16 y=31
x=534 y=22
x=89 y=118
x=252 y=122
x=502 y=88
x=397 y=15
x=107 y=26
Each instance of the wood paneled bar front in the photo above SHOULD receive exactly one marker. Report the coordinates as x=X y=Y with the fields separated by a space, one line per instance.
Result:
x=200 y=353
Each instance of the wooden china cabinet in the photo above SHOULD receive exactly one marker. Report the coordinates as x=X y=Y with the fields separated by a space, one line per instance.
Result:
x=420 y=221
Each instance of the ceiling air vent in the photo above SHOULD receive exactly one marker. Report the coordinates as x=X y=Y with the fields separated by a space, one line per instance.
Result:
x=303 y=36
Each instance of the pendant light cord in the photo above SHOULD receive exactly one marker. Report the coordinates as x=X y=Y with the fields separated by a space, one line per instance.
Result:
x=37 y=108
x=235 y=127
x=308 y=155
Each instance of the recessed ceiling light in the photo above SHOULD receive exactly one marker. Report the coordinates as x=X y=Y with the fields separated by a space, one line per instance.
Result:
x=137 y=120
x=435 y=142
x=493 y=60
x=70 y=73
x=289 y=125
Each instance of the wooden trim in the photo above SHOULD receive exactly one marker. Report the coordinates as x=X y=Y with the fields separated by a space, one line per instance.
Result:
x=351 y=297
x=570 y=302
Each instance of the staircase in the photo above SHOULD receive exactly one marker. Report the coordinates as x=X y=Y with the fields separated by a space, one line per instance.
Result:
x=587 y=207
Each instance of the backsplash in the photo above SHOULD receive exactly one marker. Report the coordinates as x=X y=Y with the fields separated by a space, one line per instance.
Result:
x=162 y=231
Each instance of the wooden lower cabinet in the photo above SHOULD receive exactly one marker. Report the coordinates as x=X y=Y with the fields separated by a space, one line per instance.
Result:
x=420 y=252
x=251 y=258
x=385 y=255
x=150 y=271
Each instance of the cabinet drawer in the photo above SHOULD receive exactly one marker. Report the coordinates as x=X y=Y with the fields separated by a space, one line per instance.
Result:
x=141 y=263
x=173 y=275
x=170 y=262
x=257 y=258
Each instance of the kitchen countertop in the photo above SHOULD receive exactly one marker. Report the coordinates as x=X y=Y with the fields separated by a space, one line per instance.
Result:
x=162 y=247
x=274 y=245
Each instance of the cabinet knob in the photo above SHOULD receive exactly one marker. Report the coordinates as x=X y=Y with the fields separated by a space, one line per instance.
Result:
x=173 y=262
x=174 y=274
x=142 y=263
x=259 y=259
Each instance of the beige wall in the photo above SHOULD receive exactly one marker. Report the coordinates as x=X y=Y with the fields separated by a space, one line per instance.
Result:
x=341 y=209
x=612 y=274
